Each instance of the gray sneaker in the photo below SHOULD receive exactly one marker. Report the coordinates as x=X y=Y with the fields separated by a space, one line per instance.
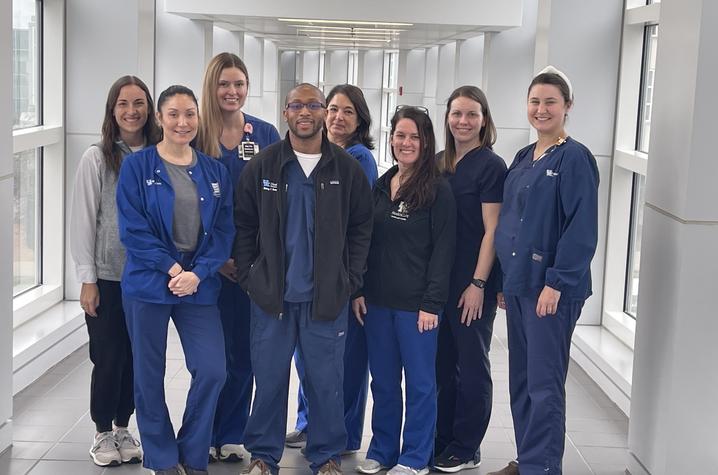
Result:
x=404 y=470
x=511 y=469
x=104 y=450
x=257 y=467
x=128 y=446
x=296 y=439
x=193 y=471
x=330 y=468
x=370 y=467
x=176 y=470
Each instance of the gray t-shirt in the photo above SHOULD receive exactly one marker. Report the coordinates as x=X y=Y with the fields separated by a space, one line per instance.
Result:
x=186 y=222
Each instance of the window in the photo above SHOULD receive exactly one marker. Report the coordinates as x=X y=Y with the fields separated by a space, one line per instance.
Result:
x=320 y=81
x=388 y=104
x=647 y=79
x=38 y=156
x=634 y=245
x=353 y=68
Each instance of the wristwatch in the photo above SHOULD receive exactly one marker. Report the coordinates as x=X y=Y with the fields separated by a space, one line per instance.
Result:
x=480 y=283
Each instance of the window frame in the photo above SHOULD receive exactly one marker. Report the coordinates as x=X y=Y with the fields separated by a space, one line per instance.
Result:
x=389 y=98
x=49 y=136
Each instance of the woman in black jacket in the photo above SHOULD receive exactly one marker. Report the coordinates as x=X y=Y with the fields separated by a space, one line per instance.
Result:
x=406 y=287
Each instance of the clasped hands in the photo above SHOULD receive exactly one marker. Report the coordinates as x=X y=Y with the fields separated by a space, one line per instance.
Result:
x=182 y=283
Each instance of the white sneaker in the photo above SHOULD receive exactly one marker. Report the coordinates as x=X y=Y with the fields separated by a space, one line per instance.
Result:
x=104 y=450
x=128 y=446
x=232 y=453
x=213 y=457
x=370 y=466
x=404 y=470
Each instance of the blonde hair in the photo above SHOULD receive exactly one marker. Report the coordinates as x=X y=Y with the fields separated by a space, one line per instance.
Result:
x=210 y=127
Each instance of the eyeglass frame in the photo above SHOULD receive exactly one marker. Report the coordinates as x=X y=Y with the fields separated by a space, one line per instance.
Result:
x=310 y=106
x=407 y=106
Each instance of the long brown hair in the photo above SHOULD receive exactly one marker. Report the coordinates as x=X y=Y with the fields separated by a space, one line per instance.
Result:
x=487 y=135
x=110 y=129
x=210 y=128
x=419 y=190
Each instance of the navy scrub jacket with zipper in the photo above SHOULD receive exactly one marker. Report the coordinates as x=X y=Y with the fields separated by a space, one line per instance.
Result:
x=145 y=204
x=548 y=226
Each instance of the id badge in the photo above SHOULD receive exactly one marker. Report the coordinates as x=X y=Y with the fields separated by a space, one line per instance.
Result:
x=248 y=150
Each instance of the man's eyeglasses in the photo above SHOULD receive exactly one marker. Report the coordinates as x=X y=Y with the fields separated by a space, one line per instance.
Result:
x=406 y=106
x=298 y=106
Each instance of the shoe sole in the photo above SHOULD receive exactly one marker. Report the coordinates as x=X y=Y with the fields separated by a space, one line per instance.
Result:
x=458 y=468
x=133 y=460
x=212 y=459
x=370 y=471
x=296 y=445
x=231 y=458
x=111 y=463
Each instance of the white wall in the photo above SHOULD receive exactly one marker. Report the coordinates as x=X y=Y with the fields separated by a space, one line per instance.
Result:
x=6 y=215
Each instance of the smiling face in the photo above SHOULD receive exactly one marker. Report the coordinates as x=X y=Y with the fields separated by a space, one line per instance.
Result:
x=406 y=143
x=179 y=119
x=466 y=119
x=547 y=109
x=231 y=89
x=342 y=119
x=130 y=111
x=305 y=124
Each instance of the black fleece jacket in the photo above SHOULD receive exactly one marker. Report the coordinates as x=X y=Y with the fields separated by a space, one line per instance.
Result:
x=411 y=251
x=343 y=221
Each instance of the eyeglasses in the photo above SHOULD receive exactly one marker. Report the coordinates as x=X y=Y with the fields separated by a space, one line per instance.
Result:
x=406 y=106
x=298 y=106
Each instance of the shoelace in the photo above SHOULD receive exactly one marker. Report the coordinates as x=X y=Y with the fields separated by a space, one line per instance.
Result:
x=330 y=467
x=106 y=441
x=264 y=470
x=123 y=436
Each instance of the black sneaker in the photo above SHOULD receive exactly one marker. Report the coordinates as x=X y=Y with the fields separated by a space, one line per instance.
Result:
x=194 y=471
x=296 y=439
x=451 y=464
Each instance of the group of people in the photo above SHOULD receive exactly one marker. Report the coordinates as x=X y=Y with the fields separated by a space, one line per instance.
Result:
x=262 y=250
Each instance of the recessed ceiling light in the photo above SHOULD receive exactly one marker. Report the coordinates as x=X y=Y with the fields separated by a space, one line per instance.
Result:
x=349 y=31
x=343 y=22
x=350 y=39
x=349 y=28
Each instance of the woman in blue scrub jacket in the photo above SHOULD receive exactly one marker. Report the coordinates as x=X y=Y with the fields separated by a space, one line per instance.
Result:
x=234 y=137
x=463 y=373
x=405 y=289
x=99 y=257
x=545 y=240
x=175 y=218
x=348 y=125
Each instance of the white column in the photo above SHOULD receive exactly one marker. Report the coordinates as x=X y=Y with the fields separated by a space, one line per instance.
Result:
x=675 y=381
x=6 y=216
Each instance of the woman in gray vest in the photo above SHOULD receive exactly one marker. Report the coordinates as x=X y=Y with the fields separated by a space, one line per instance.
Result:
x=99 y=257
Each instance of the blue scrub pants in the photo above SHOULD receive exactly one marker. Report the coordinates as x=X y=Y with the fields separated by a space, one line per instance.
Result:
x=233 y=405
x=538 y=364
x=463 y=376
x=272 y=342
x=356 y=383
x=394 y=343
x=199 y=330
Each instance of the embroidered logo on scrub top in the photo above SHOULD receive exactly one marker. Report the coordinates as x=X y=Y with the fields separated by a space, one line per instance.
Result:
x=551 y=173
x=334 y=182
x=152 y=181
x=215 y=190
x=401 y=212
x=268 y=185
x=537 y=257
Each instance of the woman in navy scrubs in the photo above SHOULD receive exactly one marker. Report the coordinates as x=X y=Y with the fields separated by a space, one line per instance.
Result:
x=545 y=240
x=463 y=373
x=348 y=125
x=175 y=217
x=234 y=137
x=405 y=289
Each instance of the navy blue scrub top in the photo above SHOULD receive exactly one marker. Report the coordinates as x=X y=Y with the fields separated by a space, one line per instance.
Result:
x=479 y=178
x=299 y=233
x=263 y=134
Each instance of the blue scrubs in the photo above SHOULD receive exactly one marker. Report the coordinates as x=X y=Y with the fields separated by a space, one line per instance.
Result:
x=236 y=396
x=356 y=362
x=546 y=236
x=145 y=203
x=463 y=371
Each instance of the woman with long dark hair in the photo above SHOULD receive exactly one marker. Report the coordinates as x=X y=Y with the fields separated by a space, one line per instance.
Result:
x=545 y=240
x=405 y=289
x=175 y=217
x=463 y=373
x=99 y=257
x=234 y=137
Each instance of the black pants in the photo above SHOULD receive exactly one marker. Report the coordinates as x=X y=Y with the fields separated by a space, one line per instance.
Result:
x=111 y=391
x=463 y=375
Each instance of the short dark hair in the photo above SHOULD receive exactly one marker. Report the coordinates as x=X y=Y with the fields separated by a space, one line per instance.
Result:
x=553 y=79
x=487 y=135
x=175 y=90
x=111 y=131
x=356 y=97
x=304 y=85
x=419 y=190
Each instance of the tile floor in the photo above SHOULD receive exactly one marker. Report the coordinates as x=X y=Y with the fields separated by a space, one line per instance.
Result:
x=52 y=427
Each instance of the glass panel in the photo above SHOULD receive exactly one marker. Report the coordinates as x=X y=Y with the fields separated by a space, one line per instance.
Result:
x=26 y=42
x=650 y=45
x=26 y=223
x=321 y=67
x=634 y=245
